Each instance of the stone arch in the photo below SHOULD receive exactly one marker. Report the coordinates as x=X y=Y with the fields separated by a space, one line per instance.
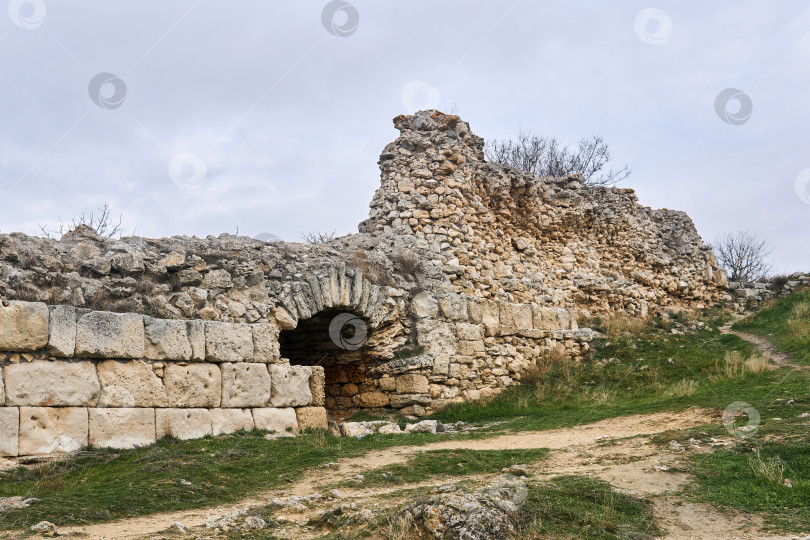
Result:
x=327 y=313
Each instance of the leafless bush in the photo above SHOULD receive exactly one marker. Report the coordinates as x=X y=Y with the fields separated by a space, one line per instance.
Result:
x=100 y=222
x=546 y=156
x=408 y=263
x=373 y=271
x=743 y=254
x=317 y=237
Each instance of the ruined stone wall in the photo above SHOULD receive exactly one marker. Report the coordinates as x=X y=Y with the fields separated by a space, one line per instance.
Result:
x=522 y=238
x=465 y=273
x=71 y=377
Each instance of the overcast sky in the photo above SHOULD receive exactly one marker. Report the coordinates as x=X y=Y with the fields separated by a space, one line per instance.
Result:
x=268 y=116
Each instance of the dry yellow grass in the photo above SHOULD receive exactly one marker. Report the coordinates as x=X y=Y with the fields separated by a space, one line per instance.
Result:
x=617 y=325
x=735 y=366
x=683 y=388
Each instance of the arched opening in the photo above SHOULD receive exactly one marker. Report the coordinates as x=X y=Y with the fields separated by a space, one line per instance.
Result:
x=336 y=340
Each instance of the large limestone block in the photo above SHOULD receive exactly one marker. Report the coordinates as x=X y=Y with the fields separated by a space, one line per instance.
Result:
x=9 y=430
x=50 y=430
x=412 y=383
x=311 y=418
x=317 y=385
x=44 y=383
x=290 y=386
x=2 y=388
x=193 y=385
x=183 y=424
x=101 y=334
x=196 y=336
x=23 y=326
x=228 y=342
x=245 y=385
x=265 y=343
x=130 y=383
x=62 y=331
x=166 y=339
x=121 y=428
x=274 y=419
x=437 y=337
x=226 y=421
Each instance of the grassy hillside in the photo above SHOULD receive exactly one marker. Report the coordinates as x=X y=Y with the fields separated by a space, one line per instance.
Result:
x=785 y=323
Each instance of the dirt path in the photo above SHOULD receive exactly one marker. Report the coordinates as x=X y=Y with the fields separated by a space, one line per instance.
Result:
x=766 y=348
x=617 y=450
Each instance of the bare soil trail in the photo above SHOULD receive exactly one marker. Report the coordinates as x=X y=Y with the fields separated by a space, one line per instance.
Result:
x=766 y=348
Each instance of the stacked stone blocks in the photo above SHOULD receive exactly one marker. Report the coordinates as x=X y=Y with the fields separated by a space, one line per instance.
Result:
x=77 y=377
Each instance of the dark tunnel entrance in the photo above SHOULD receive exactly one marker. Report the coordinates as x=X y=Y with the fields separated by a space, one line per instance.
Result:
x=334 y=339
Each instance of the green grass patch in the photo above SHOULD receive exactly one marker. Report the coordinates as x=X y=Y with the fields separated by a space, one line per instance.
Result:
x=629 y=374
x=110 y=485
x=578 y=507
x=785 y=323
x=443 y=463
x=751 y=480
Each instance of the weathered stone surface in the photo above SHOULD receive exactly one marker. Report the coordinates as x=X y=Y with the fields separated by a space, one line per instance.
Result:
x=9 y=430
x=217 y=279
x=193 y=385
x=425 y=426
x=245 y=385
x=50 y=430
x=275 y=419
x=183 y=424
x=437 y=336
x=425 y=305
x=196 y=336
x=2 y=388
x=226 y=421
x=412 y=383
x=403 y=400
x=372 y=399
x=317 y=386
x=166 y=339
x=311 y=418
x=227 y=342
x=62 y=331
x=290 y=386
x=101 y=334
x=23 y=326
x=265 y=343
x=121 y=428
x=131 y=383
x=44 y=383
x=469 y=332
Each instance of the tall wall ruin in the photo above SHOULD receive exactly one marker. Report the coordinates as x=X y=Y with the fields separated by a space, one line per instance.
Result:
x=464 y=274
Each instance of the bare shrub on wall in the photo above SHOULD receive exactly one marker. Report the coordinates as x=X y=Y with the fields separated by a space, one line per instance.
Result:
x=743 y=254
x=547 y=156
